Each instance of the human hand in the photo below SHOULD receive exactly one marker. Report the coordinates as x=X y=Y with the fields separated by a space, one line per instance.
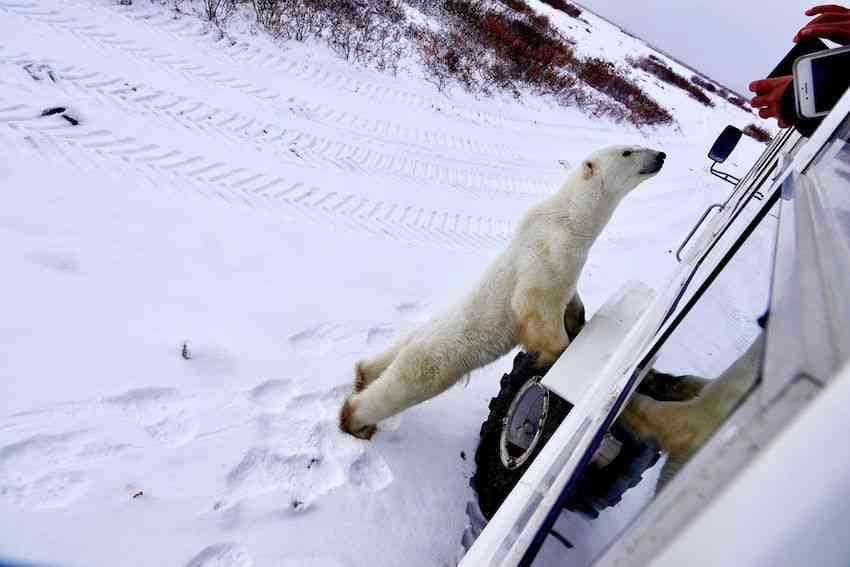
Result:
x=769 y=99
x=832 y=23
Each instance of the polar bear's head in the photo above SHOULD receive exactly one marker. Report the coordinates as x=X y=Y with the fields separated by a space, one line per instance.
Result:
x=619 y=169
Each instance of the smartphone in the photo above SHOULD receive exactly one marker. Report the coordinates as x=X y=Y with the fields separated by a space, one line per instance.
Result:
x=819 y=81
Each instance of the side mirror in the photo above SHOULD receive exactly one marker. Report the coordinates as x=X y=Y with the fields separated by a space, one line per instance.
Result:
x=722 y=149
x=725 y=144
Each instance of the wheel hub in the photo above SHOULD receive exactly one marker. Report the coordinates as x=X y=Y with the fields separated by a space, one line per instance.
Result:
x=523 y=424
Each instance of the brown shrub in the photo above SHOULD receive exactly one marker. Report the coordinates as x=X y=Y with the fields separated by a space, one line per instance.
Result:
x=703 y=84
x=522 y=44
x=509 y=49
x=654 y=66
x=757 y=133
x=367 y=31
x=518 y=6
x=606 y=78
x=741 y=103
x=448 y=56
x=269 y=14
x=725 y=94
x=566 y=7
x=217 y=11
x=515 y=48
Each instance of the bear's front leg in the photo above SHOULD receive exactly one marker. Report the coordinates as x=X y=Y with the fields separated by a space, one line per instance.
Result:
x=349 y=422
x=538 y=337
x=680 y=428
x=540 y=318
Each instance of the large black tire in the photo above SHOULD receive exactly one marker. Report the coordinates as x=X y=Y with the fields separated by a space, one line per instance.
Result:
x=600 y=487
x=493 y=481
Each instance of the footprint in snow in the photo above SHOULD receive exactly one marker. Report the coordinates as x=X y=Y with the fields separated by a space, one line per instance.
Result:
x=164 y=413
x=412 y=311
x=174 y=431
x=272 y=393
x=313 y=561
x=42 y=471
x=370 y=472
x=323 y=338
x=319 y=339
x=222 y=555
x=299 y=479
x=209 y=359
x=147 y=405
x=301 y=455
x=379 y=334
x=53 y=490
x=51 y=470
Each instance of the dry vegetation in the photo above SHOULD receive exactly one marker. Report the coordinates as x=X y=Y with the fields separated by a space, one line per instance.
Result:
x=483 y=47
x=731 y=97
x=565 y=7
x=757 y=133
x=703 y=84
x=726 y=94
x=368 y=32
x=614 y=81
x=658 y=68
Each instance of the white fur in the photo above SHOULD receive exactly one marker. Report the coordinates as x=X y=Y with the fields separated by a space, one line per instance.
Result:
x=521 y=298
x=681 y=428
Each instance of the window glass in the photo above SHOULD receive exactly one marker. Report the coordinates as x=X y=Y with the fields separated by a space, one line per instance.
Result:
x=702 y=372
x=741 y=206
x=810 y=333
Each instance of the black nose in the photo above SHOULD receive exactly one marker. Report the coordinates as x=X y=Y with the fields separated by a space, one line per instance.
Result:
x=661 y=157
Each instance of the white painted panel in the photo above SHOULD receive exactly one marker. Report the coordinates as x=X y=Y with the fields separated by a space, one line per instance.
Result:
x=576 y=370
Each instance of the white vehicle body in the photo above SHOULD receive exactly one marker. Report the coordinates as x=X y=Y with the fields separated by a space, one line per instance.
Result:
x=771 y=485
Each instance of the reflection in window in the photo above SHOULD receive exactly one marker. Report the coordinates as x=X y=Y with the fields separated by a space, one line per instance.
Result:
x=711 y=360
x=701 y=374
x=810 y=325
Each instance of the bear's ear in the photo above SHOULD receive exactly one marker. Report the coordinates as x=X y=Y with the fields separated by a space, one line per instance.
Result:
x=587 y=170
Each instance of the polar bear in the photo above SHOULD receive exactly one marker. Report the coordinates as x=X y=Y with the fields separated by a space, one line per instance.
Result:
x=521 y=299
x=682 y=427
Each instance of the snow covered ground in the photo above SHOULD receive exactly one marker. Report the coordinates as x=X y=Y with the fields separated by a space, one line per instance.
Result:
x=192 y=269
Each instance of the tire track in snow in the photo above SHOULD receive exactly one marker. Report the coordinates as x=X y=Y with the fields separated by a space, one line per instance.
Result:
x=237 y=129
x=374 y=128
x=105 y=149
x=312 y=71
x=337 y=75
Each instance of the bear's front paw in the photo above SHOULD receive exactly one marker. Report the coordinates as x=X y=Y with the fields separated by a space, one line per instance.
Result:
x=545 y=359
x=349 y=424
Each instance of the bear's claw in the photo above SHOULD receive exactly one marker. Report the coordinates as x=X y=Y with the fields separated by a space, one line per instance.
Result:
x=346 y=418
x=360 y=378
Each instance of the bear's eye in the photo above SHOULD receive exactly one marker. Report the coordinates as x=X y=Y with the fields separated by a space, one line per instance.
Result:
x=627 y=153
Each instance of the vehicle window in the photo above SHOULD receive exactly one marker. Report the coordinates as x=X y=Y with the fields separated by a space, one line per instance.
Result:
x=810 y=333
x=741 y=205
x=701 y=373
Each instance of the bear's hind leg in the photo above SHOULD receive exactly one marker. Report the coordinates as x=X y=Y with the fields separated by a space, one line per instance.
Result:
x=367 y=371
x=416 y=374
